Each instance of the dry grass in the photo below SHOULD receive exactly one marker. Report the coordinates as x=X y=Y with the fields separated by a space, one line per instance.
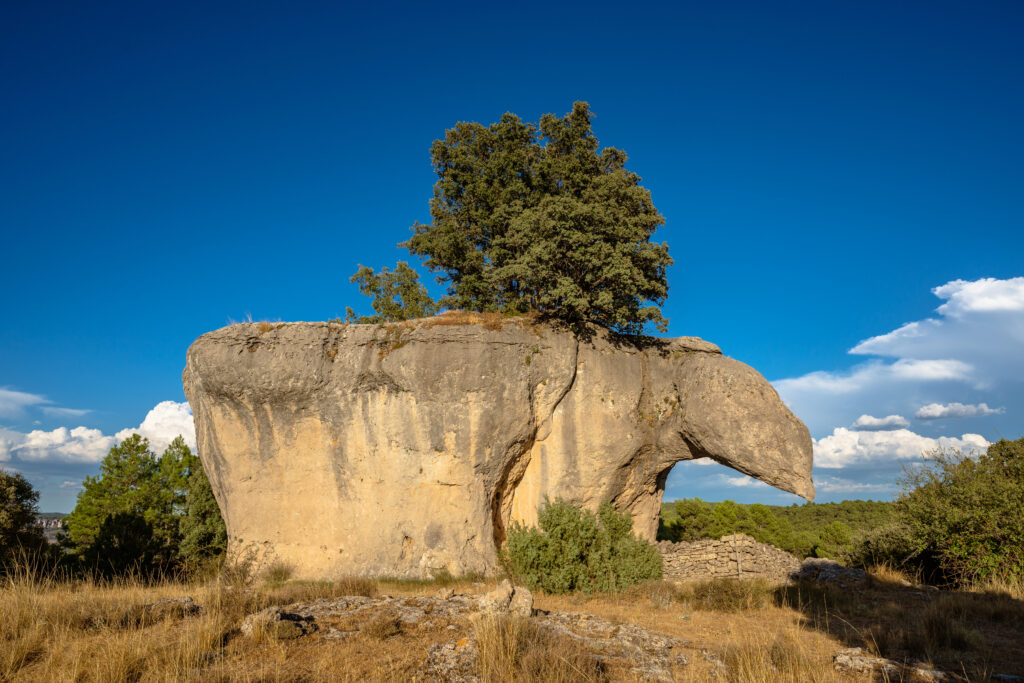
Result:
x=785 y=657
x=382 y=626
x=489 y=321
x=515 y=649
x=84 y=631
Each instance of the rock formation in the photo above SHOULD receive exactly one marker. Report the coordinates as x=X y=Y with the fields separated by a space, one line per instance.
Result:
x=407 y=449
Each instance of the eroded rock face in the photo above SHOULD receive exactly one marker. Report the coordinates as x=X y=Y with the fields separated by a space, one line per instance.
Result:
x=408 y=449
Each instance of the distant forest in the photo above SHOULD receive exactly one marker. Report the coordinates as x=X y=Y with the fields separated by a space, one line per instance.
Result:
x=808 y=530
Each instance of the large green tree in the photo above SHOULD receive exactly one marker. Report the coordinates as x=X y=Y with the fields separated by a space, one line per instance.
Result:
x=536 y=217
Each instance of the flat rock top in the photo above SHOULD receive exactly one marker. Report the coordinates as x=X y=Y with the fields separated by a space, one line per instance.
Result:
x=446 y=327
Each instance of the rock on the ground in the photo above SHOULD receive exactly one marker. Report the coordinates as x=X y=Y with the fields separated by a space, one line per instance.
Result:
x=648 y=654
x=507 y=599
x=408 y=449
x=824 y=570
x=275 y=623
x=859 y=660
x=165 y=608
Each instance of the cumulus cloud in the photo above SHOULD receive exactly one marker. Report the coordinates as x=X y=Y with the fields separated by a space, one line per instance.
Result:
x=968 y=351
x=888 y=422
x=70 y=485
x=163 y=423
x=83 y=445
x=847 y=447
x=938 y=411
x=985 y=295
x=78 y=445
x=13 y=403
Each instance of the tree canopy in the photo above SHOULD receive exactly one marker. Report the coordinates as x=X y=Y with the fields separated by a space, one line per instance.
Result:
x=397 y=295
x=966 y=512
x=537 y=218
x=133 y=515
x=18 y=512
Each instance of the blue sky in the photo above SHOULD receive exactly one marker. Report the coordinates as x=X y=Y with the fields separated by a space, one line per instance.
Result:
x=825 y=170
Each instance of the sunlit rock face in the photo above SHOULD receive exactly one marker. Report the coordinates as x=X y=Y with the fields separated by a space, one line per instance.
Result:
x=408 y=449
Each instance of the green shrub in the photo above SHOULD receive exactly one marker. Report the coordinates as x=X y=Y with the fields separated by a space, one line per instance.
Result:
x=576 y=550
x=966 y=512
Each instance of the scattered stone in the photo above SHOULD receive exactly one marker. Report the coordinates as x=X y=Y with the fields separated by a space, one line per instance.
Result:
x=174 y=608
x=454 y=661
x=651 y=654
x=714 y=660
x=507 y=599
x=273 y=622
x=824 y=570
x=858 y=660
x=445 y=593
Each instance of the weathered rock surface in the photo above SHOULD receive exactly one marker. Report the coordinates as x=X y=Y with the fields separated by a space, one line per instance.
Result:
x=408 y=449
x=507 y=599
x=649 y=655
x=860 y=661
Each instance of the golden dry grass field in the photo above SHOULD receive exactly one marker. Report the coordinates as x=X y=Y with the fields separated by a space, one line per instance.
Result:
x=83 y=631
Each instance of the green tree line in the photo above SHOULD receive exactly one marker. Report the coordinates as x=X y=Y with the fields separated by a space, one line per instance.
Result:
x=143 y=514
x=958 y=521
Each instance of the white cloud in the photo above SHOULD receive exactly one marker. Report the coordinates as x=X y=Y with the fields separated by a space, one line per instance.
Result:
x=13 y=403
x=837 y=485
x=874 y=373
x=846 y=447
x=8 y=439
x=969 y=351
x=887 y=422
x=70 y=485
x=163 y=423
x=985 y=295
x=64 y=412
x=742 y=480
x=78 y=445
x=937 y=411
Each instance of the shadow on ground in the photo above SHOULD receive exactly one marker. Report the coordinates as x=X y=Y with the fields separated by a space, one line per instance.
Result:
x=973 y=634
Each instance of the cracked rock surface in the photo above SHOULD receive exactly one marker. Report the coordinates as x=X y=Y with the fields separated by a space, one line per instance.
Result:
x=408 y=449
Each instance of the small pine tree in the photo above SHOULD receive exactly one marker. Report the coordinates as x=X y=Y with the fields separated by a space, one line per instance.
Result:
x=397 y=295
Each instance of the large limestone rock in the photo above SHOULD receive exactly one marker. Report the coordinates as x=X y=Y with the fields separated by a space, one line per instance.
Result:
x=408 y=449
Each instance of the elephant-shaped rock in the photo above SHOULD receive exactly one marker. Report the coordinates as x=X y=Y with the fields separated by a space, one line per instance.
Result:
x=407 y=449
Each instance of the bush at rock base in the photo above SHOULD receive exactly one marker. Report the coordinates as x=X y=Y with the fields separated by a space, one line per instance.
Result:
x=573 y=549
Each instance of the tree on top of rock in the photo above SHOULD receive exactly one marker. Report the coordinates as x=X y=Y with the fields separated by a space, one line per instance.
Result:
x=536 y=218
